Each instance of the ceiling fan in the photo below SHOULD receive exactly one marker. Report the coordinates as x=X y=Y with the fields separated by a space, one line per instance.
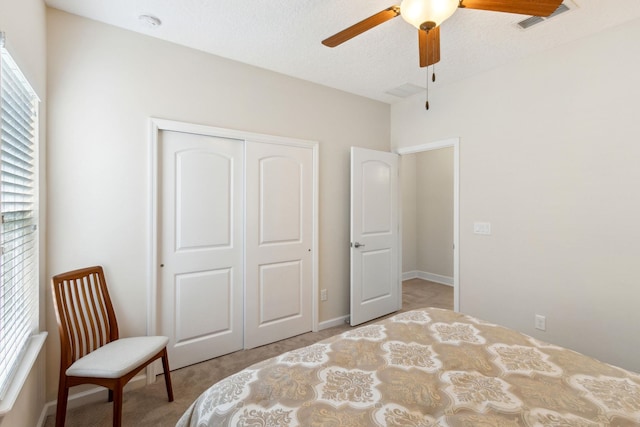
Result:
x=427 y=15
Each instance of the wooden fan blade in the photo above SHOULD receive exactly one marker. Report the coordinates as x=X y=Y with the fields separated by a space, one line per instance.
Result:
x=429 y=45
x=362 y=26
x=525 y=7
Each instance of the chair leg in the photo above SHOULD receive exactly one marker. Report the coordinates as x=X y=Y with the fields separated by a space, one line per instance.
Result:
x=167 y=375
x=117 y=406
x=110 y=398
x=61 y=407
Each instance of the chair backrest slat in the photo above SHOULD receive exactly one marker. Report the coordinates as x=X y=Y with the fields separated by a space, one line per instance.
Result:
x=100 y=308
x=85 y=317
x=96 y=324
x=82 y=330
x=71 y=307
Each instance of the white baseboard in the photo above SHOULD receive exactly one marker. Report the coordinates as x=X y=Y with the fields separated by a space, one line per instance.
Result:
x=93 y=395
x=43 y=417
x=432 y=277
x=333 y=322
x=408 y=275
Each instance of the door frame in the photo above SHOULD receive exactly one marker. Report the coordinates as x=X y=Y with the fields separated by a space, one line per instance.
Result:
x=455 y=143
x=156 y=125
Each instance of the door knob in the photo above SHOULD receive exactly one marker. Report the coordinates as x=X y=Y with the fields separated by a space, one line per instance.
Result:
x=357 y=245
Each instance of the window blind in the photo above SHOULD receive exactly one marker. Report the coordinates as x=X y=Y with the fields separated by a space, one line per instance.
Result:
x=18 y=234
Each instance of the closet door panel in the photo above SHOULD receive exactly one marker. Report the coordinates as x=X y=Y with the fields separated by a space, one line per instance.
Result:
x=279 y=233
x=201 y=242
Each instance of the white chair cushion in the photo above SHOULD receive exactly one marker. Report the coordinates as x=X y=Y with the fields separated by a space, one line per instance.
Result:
x=117 y=358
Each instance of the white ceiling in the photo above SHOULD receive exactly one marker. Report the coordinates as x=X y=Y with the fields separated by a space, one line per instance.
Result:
x=285 y=35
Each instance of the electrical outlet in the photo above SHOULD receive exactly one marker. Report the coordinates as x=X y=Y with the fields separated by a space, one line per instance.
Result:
x=540 y=322
x=323 y=295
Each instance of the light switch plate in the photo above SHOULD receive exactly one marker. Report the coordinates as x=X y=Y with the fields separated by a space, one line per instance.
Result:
x=482 y=228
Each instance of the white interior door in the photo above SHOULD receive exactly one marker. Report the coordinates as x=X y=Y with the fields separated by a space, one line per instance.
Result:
x=375 y=278
x=279 y=241
x=200 y=255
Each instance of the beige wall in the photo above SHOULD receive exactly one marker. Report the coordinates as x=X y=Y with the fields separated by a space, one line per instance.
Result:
x=434 y=217
x=24 y=25
x=549 y=155
x=104 y=84
x=409 y=211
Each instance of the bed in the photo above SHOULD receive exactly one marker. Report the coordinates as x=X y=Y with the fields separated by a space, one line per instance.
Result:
x=427 y=367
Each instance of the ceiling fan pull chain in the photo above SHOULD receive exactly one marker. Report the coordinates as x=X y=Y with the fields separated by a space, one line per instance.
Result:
x=433 y=73
x=426 y=104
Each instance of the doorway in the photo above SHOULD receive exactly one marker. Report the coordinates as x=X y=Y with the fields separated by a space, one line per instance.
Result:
x=430 y=213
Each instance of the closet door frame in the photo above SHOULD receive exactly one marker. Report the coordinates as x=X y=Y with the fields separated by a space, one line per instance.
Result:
x=157 y=125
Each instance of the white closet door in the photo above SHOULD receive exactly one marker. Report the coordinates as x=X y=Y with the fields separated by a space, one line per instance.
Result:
x=279 y=221
x=201 y=274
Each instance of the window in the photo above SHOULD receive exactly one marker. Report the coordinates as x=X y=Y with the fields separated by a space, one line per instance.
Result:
x=18 y=206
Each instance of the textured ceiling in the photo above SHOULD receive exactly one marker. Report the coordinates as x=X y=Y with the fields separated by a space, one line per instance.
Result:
x=285 y=35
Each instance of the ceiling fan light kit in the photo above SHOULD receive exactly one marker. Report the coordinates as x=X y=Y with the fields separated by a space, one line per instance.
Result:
x=425 y=15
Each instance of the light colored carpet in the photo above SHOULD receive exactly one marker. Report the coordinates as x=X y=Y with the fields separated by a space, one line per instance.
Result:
x=148 y=406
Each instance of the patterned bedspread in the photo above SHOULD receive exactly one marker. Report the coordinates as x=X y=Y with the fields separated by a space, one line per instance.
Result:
x=428 y=367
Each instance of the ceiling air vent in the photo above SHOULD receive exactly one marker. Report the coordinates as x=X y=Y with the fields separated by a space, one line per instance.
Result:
x=405 y=90
x=533 y=20
x=529 y=22
x=561 y=9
